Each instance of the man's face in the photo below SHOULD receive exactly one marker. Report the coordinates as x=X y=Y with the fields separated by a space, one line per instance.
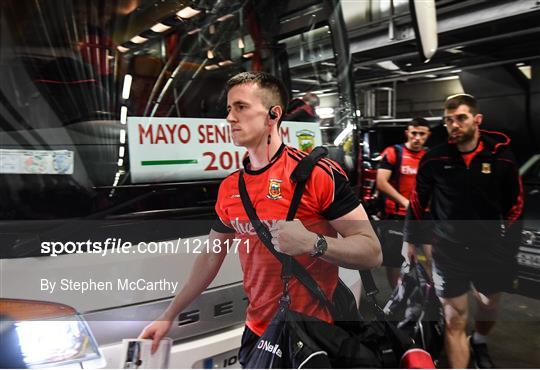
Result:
x=247 y=115
x=417 y=136
x=461 y=124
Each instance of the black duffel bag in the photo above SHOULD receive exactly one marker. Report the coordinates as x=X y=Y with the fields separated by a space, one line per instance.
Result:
x=293 y=340
x=416 y=309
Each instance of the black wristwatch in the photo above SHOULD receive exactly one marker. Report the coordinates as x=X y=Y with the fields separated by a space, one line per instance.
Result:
x=320 y=246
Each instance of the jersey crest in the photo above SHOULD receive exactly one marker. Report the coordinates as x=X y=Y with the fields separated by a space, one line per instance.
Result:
x=274 y=189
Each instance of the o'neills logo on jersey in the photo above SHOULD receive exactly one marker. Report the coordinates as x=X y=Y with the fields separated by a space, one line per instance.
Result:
x=274 y=189
x=408 y=170
x=269 y=347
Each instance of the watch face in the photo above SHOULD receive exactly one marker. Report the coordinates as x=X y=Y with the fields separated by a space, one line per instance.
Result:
x=320 y=246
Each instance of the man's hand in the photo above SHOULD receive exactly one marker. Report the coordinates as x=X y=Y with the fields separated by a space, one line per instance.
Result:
x=292 y=238
x=408 y=251
x=156 y=330
x=405 y=203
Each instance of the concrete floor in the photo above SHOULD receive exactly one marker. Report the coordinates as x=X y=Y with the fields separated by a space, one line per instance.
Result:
x=514 y=341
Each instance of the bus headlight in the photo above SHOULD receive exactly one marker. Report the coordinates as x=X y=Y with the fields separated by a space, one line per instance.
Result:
x=52 y=335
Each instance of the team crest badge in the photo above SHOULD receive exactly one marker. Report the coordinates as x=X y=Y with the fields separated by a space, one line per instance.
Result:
x=274 y=189
x=486 y=168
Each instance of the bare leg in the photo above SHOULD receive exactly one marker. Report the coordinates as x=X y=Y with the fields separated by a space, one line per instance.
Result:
x=488 y=308
x=429 y=259
x=393 y=274
x=456 y=311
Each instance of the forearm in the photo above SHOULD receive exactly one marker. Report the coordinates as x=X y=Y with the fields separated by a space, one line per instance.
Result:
x=359 y=252
x=358 y=249
x=387 y=188
x=204 y=271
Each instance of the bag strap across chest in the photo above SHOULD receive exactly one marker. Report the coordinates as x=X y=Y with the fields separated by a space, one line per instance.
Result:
x=291 y=267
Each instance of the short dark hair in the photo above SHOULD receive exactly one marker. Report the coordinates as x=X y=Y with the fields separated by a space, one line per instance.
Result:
x=278 y=93
x=419 y=121
x=454 y=101
x=312 y=99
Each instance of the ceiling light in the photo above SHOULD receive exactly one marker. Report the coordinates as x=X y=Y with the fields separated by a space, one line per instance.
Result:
x=325 y=112
x=211 y=67
x=456 y=50
x=212 y=29
x=193 y=31
x=447 y=78
x=343 y=134
x=122 y=49
x=187 y=12
x=138 y=39
x=121 y=151
x=248 y=55
x=389 y=65
x=526 y=70
x=210 y=54
x=123 y=114
x=432 y=70
x=241 y=44
x=122 y=136
x=160 y=27
x=120 y=164
x=126 y=89
x=225 y=62
x=225 y=17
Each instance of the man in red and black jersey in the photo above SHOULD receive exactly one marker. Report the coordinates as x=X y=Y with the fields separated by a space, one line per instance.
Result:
x=303 y=109
x=396 y=178
x=473 y=189
x=255 y=104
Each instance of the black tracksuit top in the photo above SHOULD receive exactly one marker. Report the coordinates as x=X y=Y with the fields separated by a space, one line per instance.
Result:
x=476 y=205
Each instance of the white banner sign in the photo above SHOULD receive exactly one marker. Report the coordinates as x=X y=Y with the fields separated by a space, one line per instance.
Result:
x=179 y=149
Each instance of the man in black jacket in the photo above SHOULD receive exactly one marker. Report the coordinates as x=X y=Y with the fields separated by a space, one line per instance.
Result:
x=473 y=189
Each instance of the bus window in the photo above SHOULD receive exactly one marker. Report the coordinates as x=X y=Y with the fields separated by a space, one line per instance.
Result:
x=319 y=76
x=113 y=109
x=113 y=131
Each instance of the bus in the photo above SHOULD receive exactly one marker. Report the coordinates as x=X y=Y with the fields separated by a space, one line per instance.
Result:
x=113 y=146
x=113 y=142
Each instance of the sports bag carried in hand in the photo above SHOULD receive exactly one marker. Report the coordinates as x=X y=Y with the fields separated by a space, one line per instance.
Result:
x=416 y=309
x=295 y=340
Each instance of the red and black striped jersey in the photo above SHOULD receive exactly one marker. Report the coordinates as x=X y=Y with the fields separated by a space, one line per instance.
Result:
x=406 y=173
x=327 y=196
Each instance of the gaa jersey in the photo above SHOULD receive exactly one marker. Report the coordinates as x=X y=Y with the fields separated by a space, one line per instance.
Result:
x=468 y=157
x=327 y=196
x=407 y=175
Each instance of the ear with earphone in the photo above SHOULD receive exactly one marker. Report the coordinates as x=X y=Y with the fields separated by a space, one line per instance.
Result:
x=272 y=115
